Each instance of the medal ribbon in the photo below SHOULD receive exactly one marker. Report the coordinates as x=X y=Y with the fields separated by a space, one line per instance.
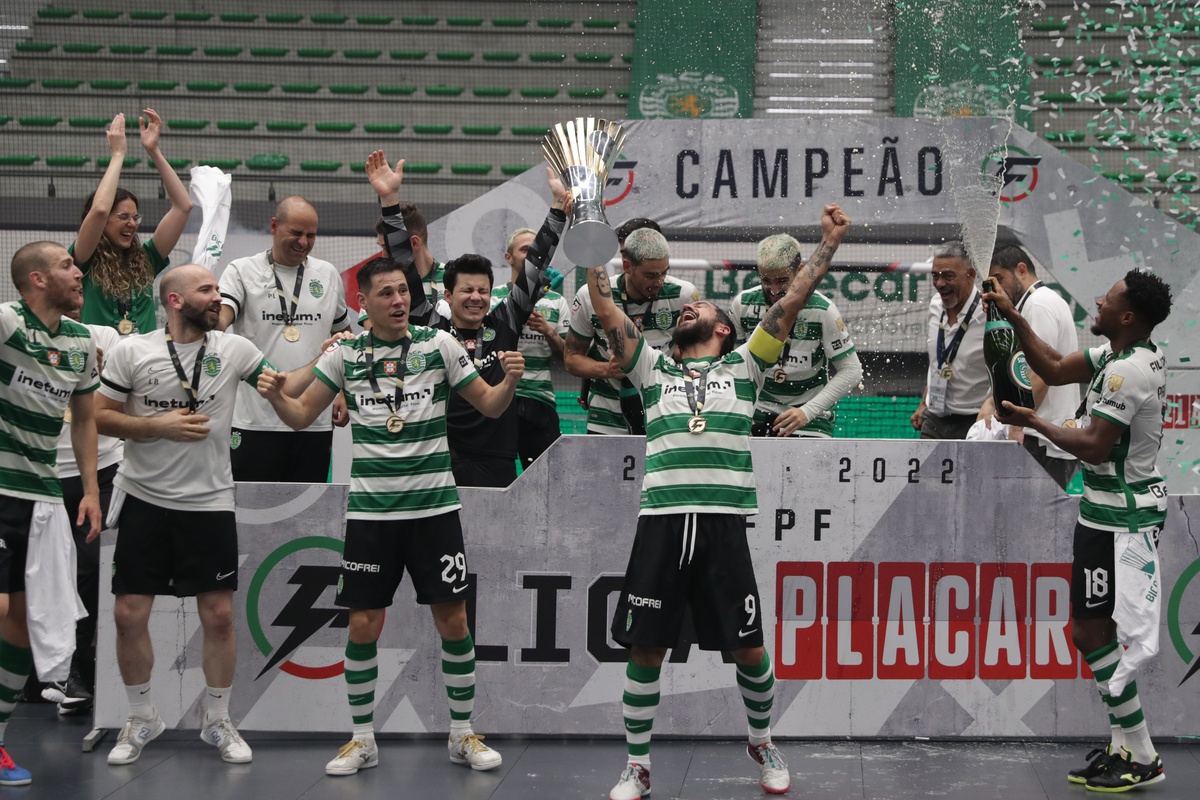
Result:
x=475 y=343
x=1025 y=297
x=369 y=357
x=647 y=315
x=946 y=355
x=288 y=316
x=695 y=395
x=189 y=387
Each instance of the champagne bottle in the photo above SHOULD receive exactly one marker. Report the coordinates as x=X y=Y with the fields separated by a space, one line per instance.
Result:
x=1011 y=378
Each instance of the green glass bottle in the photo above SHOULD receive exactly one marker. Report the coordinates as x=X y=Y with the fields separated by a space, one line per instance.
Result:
x=1005 y=360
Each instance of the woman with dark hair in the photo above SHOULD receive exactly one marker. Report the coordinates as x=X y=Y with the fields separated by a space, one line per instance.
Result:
x=118 y=269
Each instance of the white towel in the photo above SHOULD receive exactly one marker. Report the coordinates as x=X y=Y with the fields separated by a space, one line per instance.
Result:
x=986 y=430
x=210 y=191
x=1138 y=603
x=50 y=594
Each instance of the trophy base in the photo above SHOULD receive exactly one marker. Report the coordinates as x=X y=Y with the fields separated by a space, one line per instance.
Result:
x=590 y=243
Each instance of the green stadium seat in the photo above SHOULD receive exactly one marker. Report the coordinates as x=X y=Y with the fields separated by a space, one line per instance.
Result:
x=382 y=127
x=481 y=130
x=82 y=47
x=509 y=22
x=315 y=52
x=601 y=23
x=419 y=21
x=1053 y=61
x=103 y=162
x=286 y=126
x=373 y=19
x=223 y=51
x=362 y=54
x=301 y=88
x=501 y=56
x=253 y=87
x=550 y=58
x=193 y=16
x=7 y=82
x=1049 y=25
x=100 y=13
x=1149 y=61
x=491 y=91
x=555 y=23
x=432 y=130
x=5 y=119
x=237 y=16
x=470 y=169
x=358 y=166
x=268 y=52
x=220 y=163
x=320 y=166
x=627 y=58
x=55 y=13
x=1167 y=175
x=530 y=130
x=1101 y=61
x=1058 y=97
x=284 y=19
x=34 y=47
x=443 y=91
x=148 y=16
x=1180 y=136
x=328 y=19
x=514 y=169
x=128 y=49
x=464 y=22
x=1120 y=137
x=334 y=127
x=66 y=161
x=157 y=86
x=10 y=160
x=61 y=83
x=632 y=24
x=408 y=55
x=109 y=85
x=549 y=91
x=1066 y=136
x=174 y=50
x=587 y=94
x=339 y=88
x=205 y=86
x=237 y=124
x=38 y=122
x=454 y=55
x=593 y=58
x=396 y=90
x=621 y=93
x=268 y=161
x=1115 y=98
x=422 y=168
x=179 y=163
x=187 y=124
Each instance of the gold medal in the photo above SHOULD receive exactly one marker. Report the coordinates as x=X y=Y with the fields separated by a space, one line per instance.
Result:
x=291 y=333
x=779 y=376
x=395 y=424
x=125 y=326
x=947 y=372
x=1070 y=423
x=67 y=416
x=696 y=424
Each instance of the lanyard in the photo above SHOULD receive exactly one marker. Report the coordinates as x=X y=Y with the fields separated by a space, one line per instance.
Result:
x=695 y=395
x=288 y=316
x=188 y=386
x=471 y=345
x=369 y=357
x=946 y=354
x=1025 y=297
x=647 y=315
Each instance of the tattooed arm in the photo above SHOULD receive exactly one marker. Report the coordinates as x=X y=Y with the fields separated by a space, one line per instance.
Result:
x=623 y=336
x=780 y=317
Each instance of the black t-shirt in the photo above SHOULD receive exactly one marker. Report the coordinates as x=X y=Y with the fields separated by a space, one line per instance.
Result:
x=467 y=430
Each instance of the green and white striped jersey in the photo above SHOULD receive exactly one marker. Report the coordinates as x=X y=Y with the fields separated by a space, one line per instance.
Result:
x=1126 y=493
x=656 y=320
x=535 y=383
x=708 y=472
x=39 y=373
x=403 y=475
x=818 y=338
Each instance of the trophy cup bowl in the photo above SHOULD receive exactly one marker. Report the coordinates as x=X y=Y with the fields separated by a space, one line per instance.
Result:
x=582 y=152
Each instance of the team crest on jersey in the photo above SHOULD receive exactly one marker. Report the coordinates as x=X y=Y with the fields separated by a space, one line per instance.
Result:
x=235 y=440
x=663 y=319
x=212 y=365
x=389 y=367
x=488 y=334
x=799 y=329
x=628 y=621
x=76 y=359
x=841 y=325
x=340 y=584
x=1115 y=382
x=416 y=363
x=54 y=357
x=315 y=288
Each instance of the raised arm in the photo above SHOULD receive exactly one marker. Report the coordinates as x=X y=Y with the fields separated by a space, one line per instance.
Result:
x=166 y=235
x=526 y=288
x=386 y=182
x=295 y=412
x=1054 y=368
x=493 y=400
x=92 y=227
x=780 y=317
x=622 y=335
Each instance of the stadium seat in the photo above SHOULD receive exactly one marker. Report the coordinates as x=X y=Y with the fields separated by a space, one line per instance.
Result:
x=481 y=130
x=174 y=50
x=382 y=127
x=530 y=130
x=358 y=166
x=373 y=19
x=284 y=19
x=422 y=168
x=555 y=23
x=432 y=130
x=1066 y=136
x=548 y=58
x=1124 y=177
x=627 y=58
x=55 y=13
x=549 y=91
x=223 y=51
x=320 y=166
x=621 y=93
x=100 y=13
x=1101 y=61
x=1053 y=61
x=157 y=86
x=205 y=86
x=187 y=124
x=103 y=162
x=179 y=163
x=148 y=16
x=82 y=47
x=253 y=87
x=10 y=160
x=334 y=127
x=339 y=88
x=5 y=119
x=66 y=161
x=601 y=23
x=286 y=126
x=238 y=17
x=501 y=56
x=1167 y=175
x=268 y=52
x=128 y=49
x=470 y=169
x=61 y=83
x=1057 y=97
x=593 y=58
x=491 y=91
x=34 y=47
x=1049 y=25
x=268 y=161
x=328 y=19
x=454 y=55
x=514 y=169
x=408 y=55
x=237 y=124
x=424 y=21
x=7 y=82
x=301 y=88
x=396 y=90
x=38 y=122
x=109 y=85
x=362 y=54
x=443 y=91
x=587 y=94
x=1121 y=137
x=315 y=52
x=509 y=22
x=193 y=16
x=464 y=22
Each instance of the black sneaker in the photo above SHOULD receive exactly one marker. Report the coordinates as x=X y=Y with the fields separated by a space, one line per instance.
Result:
x=76 y=698
x=1124 y=773
x=1097 y=765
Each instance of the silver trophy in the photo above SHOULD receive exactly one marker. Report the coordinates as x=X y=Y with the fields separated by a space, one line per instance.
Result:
x=582 y=152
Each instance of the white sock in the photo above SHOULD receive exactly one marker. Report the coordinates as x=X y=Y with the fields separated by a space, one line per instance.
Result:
x=1118 y=740
x=216 y=703
x=460 y=728
x=139 y=700
x=364 y=733
x=1137 y=742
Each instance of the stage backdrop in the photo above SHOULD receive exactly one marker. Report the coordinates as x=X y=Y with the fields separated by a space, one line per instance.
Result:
x=908 y=588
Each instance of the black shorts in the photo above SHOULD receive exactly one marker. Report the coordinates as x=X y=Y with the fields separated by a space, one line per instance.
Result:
x=16 y=515
x=537 y=428
x=162 y=551
x=1094 y=586
x=490 y=472
x=701 y=560
x=280 y=456
x=377 y=553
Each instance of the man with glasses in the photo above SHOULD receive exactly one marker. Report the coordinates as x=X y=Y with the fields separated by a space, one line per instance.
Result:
x=956 y=383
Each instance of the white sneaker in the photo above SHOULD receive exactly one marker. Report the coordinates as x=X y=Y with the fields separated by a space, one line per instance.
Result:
x=775 y=777
x=136 y=734
x=634 y=784
x=354 y=755
x=222 y=735
x=470 y=749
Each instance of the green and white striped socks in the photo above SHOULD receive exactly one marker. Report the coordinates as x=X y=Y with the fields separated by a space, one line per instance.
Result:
x=458 y=673
x=638 y=704
x=757 y=685
x=1125 y=716
x=362 y=670
x=15 y=664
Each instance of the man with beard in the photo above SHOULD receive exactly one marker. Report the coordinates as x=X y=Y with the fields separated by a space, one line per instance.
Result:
x=288 y=303
x=957 y=383
x=1116 y=588
x=47 y=365
x=170 y=395
x=798 y=395
x=690 y=548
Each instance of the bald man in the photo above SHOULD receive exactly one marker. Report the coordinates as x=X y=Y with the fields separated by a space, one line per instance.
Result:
x=47 y=365
x=288 y=303
x=170 y=395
